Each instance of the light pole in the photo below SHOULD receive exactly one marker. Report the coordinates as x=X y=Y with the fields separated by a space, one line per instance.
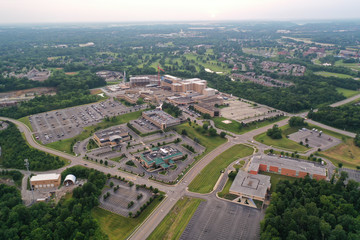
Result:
x=28 y=171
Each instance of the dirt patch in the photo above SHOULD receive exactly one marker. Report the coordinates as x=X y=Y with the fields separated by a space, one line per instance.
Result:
x=71 y=73
x=29 y=92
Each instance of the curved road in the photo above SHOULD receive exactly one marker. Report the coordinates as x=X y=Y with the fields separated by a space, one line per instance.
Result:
x=173 y=192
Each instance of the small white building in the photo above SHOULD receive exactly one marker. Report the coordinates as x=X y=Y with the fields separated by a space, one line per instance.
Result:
x=69 y=180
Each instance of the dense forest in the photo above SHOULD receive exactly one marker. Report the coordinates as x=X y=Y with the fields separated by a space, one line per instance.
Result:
x=69 y=219
x=344 y=117
x=15 y=150
x=310 y=209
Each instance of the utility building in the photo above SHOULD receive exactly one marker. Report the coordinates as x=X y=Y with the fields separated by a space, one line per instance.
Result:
x=45 y=180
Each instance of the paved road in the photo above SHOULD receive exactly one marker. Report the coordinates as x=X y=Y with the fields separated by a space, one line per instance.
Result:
x=173 y=192
x=343 y=132
x=345 y=101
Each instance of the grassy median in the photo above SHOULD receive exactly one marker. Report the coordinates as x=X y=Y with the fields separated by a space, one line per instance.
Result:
x=173 y=225
x=207 y=178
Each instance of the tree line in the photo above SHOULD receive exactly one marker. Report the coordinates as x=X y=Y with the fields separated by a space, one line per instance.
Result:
x=69 y=219
x=310 y=209
x=15 y=149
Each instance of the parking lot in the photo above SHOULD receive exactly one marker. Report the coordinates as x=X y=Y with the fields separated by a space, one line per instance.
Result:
x=314 y=138
x=118 y=201
x=144 y=126
x=245 y=112
x=216 y=219
x=353 y=174
x=66 y=123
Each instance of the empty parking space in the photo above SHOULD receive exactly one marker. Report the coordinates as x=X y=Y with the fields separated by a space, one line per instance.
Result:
x=215 y=219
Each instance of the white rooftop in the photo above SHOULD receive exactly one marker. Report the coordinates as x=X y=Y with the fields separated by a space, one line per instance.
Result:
x=42 y=177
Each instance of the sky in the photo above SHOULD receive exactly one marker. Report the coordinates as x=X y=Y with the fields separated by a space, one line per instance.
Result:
x=55 y=11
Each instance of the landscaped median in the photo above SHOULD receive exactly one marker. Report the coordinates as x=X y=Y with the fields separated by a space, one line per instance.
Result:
x=174 y=224
x=207 y=178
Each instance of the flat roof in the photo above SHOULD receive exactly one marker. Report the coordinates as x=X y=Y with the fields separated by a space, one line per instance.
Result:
x=289 y=163
x=250 y=184
x=107 y=133
x=48 y=176
x=161 y=116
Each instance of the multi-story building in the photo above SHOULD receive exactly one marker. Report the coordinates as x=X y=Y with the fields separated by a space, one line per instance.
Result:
x=112 y=137
x=160 y=118
x=286 y=166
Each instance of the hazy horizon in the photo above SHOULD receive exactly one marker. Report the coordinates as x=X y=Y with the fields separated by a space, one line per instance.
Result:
x=112 y=11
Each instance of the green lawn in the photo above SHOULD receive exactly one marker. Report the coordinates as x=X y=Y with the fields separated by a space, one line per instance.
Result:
x=173 y=225
x=210 y=143
x=355 y=66
x=225 y=192
x=234 y=126
x=347 y=92
x=67 y=144
x=207 y=178
x=91 y=145
x=26 y=121
x=331 y=74
x=276 y=178
x=117 y=159
x=118 y=227
x=284 y=142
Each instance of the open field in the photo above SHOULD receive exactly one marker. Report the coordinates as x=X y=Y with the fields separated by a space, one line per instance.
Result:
x=283 y=143
x=173 y=225
x=66 y=144
x=234 y=126
x=210 y=143
x=118 y=227
x=276 y=178
x=331 y=74
x=346 y=153
x=355 y=66
x=347 y=92
x=207 y=178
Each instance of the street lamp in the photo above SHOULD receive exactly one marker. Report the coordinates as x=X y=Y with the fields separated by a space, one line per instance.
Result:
x=28 y=171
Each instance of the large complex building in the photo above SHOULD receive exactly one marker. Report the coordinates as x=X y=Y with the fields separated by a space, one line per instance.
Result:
x=111 y=137
x=179 y=85
x=140 y=81
x=160 y=157
x=45 y=180
x=160 y=118
x=251 y=186
x=207 y=109
x=285 y=166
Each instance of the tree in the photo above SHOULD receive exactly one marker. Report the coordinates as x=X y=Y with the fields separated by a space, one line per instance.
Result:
x=212 y=132
x=275 y=132
x=223 y=134
x=205 y=126
x=340 y=165
x=297 y=122
x=183 y=132
x=357 y=140
x=206 y=116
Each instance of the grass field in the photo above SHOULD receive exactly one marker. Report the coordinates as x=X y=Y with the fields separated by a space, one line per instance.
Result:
x=207 y=178
x=117 y=159
x=331 y=74
x=66 y=144
x=346 y=153
x=173 y=225
x=234 y=126
x=347 y=92
x=26 y=121
x=276 y=178
x=210 y=143
x=355 y=66
x=118 y=227
x=284 y=142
